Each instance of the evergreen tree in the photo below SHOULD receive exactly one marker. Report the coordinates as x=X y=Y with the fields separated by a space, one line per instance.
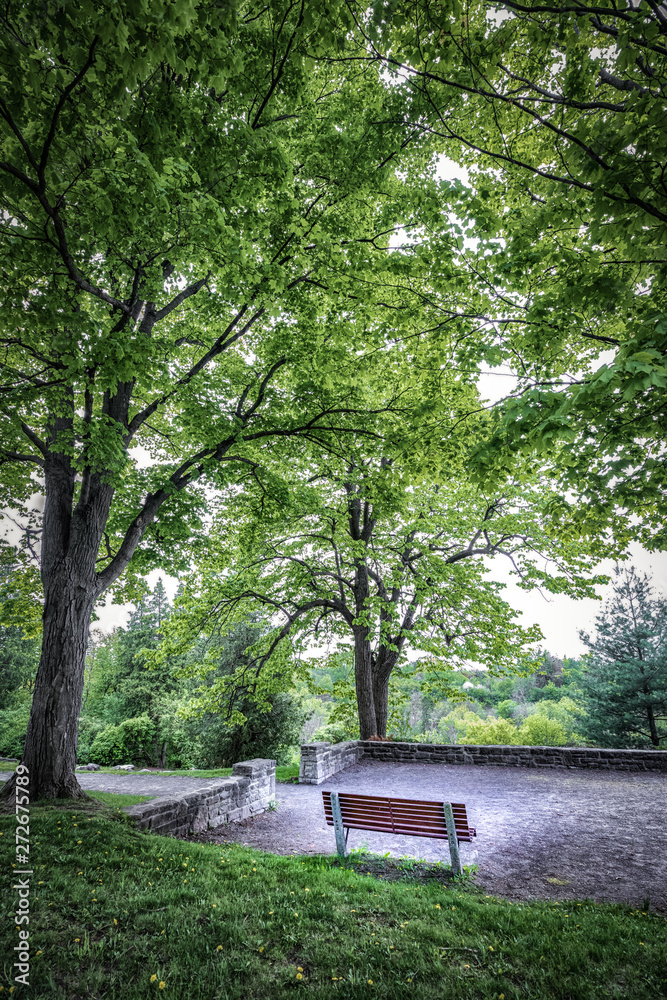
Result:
x=624 y=684
x=270 y=730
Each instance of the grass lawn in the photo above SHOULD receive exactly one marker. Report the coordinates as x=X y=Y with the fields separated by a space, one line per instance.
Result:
x=120 y=914
x=118 y=800
x=284 y=772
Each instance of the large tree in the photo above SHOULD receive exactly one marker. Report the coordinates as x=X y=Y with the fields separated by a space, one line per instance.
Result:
x=195 y=259
x=559 y=113
x=624 y=680
x=363 y=558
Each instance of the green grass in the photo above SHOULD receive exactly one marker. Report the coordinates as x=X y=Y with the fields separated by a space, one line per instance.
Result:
x=118 y=800
x=116 y=912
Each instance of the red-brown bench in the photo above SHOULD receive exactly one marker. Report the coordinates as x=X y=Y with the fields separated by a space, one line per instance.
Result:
x=440 y=820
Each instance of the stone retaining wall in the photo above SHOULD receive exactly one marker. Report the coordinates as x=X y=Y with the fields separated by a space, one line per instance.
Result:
x=509 y=756
x=248 y=791
x=320 y=760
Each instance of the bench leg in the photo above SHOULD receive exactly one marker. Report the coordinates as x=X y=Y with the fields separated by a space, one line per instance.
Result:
x=341 y=839
x=452 y=838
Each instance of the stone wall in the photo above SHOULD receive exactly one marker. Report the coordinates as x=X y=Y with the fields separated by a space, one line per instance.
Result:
x=248 y=791
x=320 y=760
x=508 y=756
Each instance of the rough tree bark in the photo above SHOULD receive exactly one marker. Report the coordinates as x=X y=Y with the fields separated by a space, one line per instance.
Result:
x=72 y=532
x=363 y=676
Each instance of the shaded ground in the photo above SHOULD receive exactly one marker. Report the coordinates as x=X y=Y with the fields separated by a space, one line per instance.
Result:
x=541 y=833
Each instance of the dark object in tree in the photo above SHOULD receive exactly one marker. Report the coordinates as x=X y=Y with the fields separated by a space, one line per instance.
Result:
x=624 y=684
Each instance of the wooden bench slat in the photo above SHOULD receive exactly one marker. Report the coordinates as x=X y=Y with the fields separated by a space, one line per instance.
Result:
x=411 y=817
x=420 y=818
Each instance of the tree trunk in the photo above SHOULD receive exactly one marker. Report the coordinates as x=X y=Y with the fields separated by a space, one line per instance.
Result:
x=70 y=546
x=655 y=739
x=381 y=700
x=51 y=741
x=363 y=677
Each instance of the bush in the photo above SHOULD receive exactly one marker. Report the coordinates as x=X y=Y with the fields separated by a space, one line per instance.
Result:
x=13 y=726
x=539 y=731
x=209 y=741
x=131 y=742
x=490 y=731
x=565 y=711
x=89 y=729
x=336 y=732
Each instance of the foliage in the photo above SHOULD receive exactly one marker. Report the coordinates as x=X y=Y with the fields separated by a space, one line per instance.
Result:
x=196 y=214
x=489 y=731
x=18 y=665
x=220 y=723
x=558 y=114
x=363 y=559
x=539 y=730
x=131 y=742
x=13 y=725
x=624 y=682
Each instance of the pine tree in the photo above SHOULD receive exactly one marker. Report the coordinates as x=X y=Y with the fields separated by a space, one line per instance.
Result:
x=624 y=683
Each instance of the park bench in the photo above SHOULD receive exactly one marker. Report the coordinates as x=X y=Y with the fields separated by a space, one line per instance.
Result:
x=440 y=820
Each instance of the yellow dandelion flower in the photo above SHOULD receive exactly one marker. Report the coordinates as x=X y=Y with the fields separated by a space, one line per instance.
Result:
x=38 y=952
x=77 y=939
x=219 y=948
x=161 y=985
x=115 y=922
x=299 y=976
x=296 y=914
x=153 y=978
x=437 y=906
x=370 y=982
x=299 y=968
x=491 y=948
x=261 y=949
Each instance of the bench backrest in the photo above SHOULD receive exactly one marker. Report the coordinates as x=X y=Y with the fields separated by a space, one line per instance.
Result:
x=406 y=816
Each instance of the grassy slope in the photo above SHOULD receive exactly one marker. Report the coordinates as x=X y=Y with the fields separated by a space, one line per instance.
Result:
x=113 y=908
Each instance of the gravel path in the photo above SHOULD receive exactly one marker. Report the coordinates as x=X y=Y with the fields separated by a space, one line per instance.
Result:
x=541 y=833
x=141 y=784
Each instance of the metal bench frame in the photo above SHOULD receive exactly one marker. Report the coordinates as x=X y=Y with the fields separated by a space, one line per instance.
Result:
x=441 y=820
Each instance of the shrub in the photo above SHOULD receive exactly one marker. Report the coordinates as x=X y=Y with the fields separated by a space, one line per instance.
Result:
x=490 y=731
x=131 y=742
x=89 y=729
x=538 y=730
x=13 y=726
